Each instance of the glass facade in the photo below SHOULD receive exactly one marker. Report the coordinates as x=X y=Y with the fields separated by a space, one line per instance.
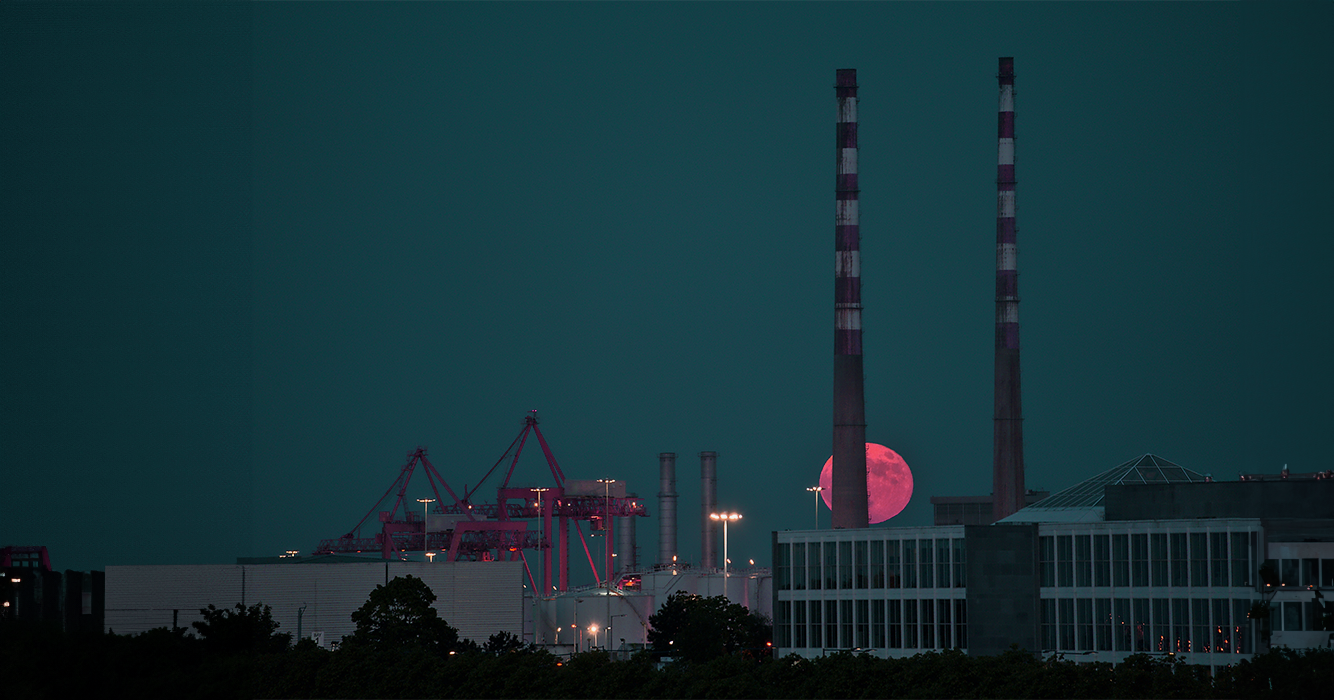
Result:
x=1106 y=589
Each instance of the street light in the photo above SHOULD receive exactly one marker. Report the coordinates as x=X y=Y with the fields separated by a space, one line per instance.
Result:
x=425 y=504
x=816 y=490
x=546 y=537
x=593 y=629
x=611 y=622
x=606 y=513
x=726 y=518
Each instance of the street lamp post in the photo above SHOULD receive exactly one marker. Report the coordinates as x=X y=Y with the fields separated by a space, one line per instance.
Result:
x=816 y=490
x=726 y=518
x=425 y=504
x=546 y=539
x=606 y=527
x=593 y=629
x=611 y=622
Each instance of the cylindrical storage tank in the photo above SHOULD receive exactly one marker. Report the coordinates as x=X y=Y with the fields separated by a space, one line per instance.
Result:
x=708 y=476
x=667 y=507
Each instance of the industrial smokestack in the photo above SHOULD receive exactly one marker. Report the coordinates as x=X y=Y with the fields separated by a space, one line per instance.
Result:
x=667 y=507
x=1008 y=452
x=708 y=476
x=627 y=554
x=848 y=498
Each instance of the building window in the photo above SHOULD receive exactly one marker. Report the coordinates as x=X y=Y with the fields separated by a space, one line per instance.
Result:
x=1047 y=560
x=1064 y=568
x=845 y=565
x=894 y=563
x=910 y=564
x=1120 y=561
x=1102 y=560
x=1102 y=624
x=863 y=624
x=1218 y=559
x=1139 y=560
x=1139 y=627
x=945 y=626
x=863 y=572
x=942 y=563
x=1158 y=558
x=1201 y=634
x=783 y=566
x=1180 y=564
x=960 y=565
x=1180 y=639
x=961 y=623
x=799 y=566
x=1066 y=626
x=1310 y=572
x=926 y=570
x=1083 y=561
x=1241 y=566
x=878 y=624
x=831 y=623
x=1199 y=560
x=817 y=628
x=845 y=640
x=1241 y=626
x=909 y=624
x=1048 y=624
x=878 y=564
x=928 y=625
x=799 y=624
x=1292 y=617
x=1222 y=627
x=783 y=623
x=1327 y=573
x=895 y=624
x=1161 y=632
x=813 y=552
x=830 y=566
x=1084 y=624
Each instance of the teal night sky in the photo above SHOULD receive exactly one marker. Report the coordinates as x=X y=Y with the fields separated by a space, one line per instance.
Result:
x=253 y=254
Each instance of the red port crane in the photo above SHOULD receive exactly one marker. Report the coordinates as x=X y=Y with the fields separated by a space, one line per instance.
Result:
x=461 y=529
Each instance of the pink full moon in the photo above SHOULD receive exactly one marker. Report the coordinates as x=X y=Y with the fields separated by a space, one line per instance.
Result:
x=888 y=482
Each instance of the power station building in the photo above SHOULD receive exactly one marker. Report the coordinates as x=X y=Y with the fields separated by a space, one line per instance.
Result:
x=1147 y=557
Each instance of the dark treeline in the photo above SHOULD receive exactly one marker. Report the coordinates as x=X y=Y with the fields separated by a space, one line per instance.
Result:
x=41 y=663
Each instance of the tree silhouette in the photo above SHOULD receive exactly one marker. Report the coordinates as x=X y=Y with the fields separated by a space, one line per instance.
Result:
x=699 y=629
x=398 y=616
x=240 y=630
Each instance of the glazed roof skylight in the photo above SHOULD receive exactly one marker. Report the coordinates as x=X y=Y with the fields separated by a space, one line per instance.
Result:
x=1148 y=469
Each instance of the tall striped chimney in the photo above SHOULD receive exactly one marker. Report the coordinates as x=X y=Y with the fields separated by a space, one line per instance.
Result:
x=848 y=484
x=1008 y=452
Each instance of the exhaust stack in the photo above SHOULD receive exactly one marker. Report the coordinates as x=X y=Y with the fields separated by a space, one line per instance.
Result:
x=708 y=475
x=848 y=498
x=667 y=507
x=1008 y=449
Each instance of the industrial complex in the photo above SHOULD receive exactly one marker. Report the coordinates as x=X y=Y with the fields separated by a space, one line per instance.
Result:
x=1145 y=557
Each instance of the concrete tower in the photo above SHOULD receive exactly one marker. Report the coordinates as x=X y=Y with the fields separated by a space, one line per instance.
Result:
x=848 y=498
x=666 y=507
x=708 y=491
x=1008 y=452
